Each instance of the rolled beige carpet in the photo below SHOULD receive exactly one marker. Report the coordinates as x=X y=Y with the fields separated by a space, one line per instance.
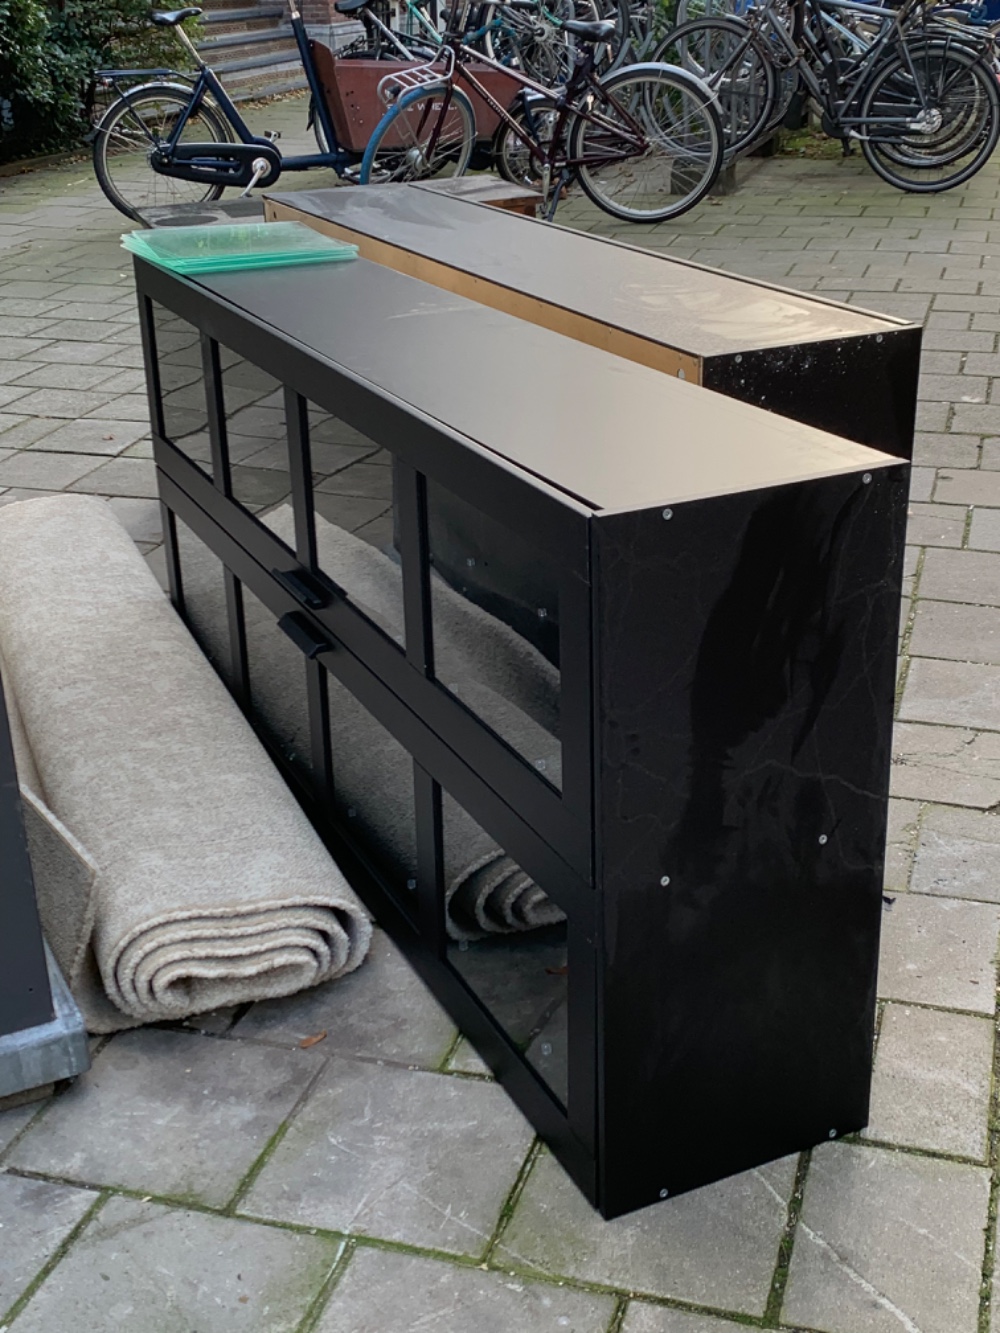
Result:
x=212 y=887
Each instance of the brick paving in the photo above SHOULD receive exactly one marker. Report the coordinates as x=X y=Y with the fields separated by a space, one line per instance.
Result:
x=217 y=1177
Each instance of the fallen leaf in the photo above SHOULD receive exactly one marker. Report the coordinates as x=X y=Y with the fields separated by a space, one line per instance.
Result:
x=243 y=1299
x=306 y=1042
x=558 y=971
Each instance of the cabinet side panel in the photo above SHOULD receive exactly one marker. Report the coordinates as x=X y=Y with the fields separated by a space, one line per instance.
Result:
x=864 y=389
x=745 y=669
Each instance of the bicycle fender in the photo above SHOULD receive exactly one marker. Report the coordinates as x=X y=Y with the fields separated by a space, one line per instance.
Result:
x=144 y=88
x=654 y=66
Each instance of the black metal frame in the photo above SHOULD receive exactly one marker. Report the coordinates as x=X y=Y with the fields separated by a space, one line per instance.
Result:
x=654 y=1085
x=25 y=994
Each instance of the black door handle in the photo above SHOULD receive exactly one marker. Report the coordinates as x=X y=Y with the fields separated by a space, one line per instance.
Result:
x=303 y=635
x=305 y=589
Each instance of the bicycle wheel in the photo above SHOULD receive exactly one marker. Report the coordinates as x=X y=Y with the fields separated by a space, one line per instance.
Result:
x=427 y=133
x=514 y=160
x=653 y=148
x=529 y=41
x=129 y=131
x=725 y=55
x=950 y=97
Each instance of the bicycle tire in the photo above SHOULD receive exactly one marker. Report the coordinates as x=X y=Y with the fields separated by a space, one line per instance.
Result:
x=130 y=105
x=908 y=163
x=513 y=160
x=746 y=86
x=692 y=11
x=689 y=145
x=404 y=134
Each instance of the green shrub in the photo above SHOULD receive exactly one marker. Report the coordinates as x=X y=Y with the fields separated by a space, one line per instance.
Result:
x=48 y=52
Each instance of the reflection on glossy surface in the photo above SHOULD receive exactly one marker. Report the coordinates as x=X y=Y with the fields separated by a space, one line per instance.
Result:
x=706 y=312
x=182 y=388
x=204 y=598
x=508 y=943
x=495 y=610
x=256 y=435
x=277 y=677
x=522 y=980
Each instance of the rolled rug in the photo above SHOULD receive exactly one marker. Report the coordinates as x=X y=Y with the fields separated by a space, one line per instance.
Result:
x=486 y=892
x=212 y=887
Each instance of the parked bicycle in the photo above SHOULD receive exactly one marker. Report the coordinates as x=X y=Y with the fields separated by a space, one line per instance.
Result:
x=644 y=142
x=172 y=138
x=919 y=95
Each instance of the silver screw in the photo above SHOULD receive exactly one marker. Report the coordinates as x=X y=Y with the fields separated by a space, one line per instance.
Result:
x=681 y=375
x=665 y=880
x=469 y=561
x=546 y=1048
x=351 y=812
x=823 y=839
x=832 y=1134
x=411 y=884
x=664 y=1194
x=867 y=478
x=738 y=357
x=540 y=765
x=463 y=946
x=878 y=337
x=542 y=613
x=668 y=513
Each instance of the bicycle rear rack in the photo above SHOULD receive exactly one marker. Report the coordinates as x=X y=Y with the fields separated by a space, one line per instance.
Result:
x=400 y=81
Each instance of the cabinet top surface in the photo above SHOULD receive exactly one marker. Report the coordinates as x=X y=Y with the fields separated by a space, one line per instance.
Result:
x=606 y=431
x=682 y=305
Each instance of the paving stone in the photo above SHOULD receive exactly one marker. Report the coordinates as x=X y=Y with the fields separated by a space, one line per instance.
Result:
x=921 y=483
x=935 y=525
x=38 y=470
x=127 y=407
x=961 y=576
x=36 y=1216
x=888 y=1243
x=939 y=951
x=17 y=432
x=122 y=476
x=952 y=388
x=66 y=375
x=949 y=765
x=968 y=486
x=107 y=438
x=643 y=1318
x=141 y=518
x=382 y=1010
x=74 y=353
x=939 y=449
x=13 y=1121
x=168 y=1113
x=140 y=1266
x=956 y=693
x=984 y=531
x=70 y=403
x=386 y=1292
x=931 y=1087
x=464 y=1060
x=716 y=1245
x=900 y=843
x=956 y=631
x=958 y=854
x=421 y=1158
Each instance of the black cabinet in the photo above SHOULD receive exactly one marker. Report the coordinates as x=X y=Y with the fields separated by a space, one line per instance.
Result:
x=627 y=818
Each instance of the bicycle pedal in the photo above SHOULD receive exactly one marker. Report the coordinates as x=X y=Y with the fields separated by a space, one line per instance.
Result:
x=271 y=135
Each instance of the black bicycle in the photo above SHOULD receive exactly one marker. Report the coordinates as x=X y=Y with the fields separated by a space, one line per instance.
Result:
x=918 y=94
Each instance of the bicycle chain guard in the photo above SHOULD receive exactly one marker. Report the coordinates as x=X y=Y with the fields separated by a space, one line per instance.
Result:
x=218 y=163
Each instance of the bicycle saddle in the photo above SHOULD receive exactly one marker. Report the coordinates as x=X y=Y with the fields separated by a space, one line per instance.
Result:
x=349 y=6
x=600 y=31
x=171 y=17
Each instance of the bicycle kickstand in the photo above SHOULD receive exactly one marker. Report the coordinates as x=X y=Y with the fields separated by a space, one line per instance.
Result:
x=552 y=197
